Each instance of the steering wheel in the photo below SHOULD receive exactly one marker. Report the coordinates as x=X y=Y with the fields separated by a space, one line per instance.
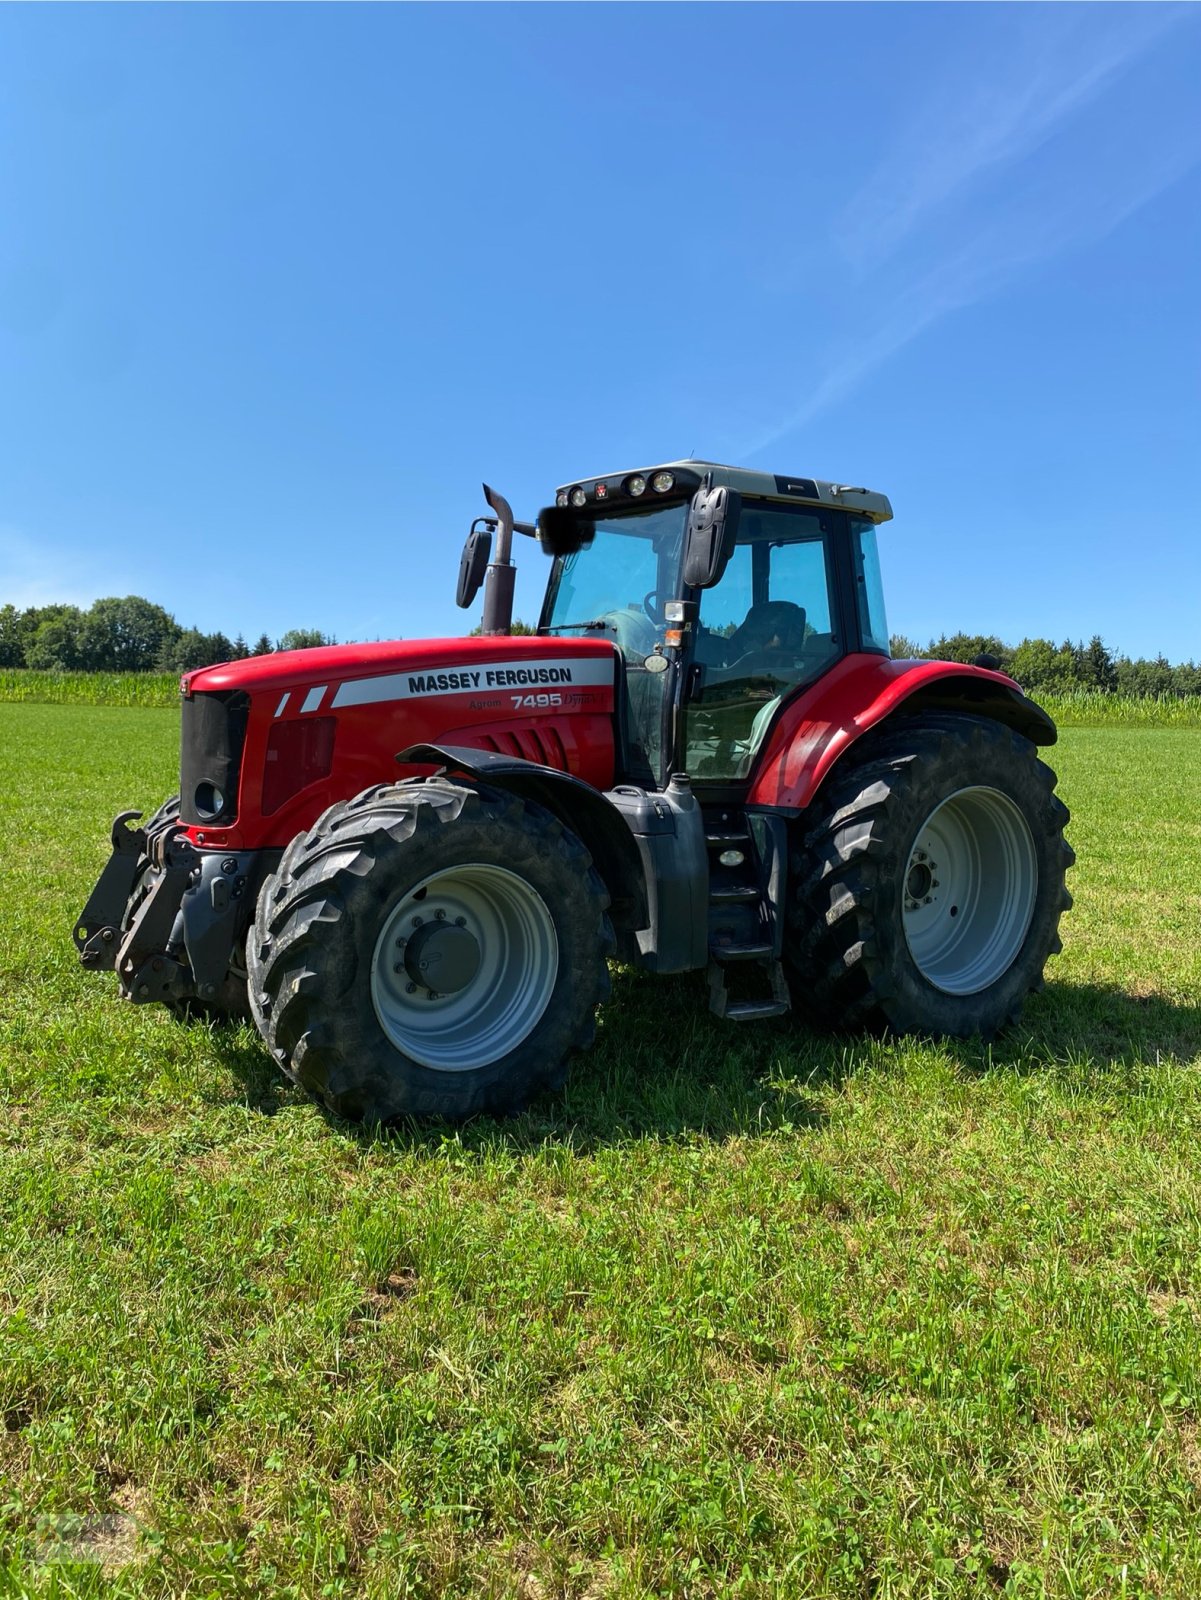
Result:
x=650 y=604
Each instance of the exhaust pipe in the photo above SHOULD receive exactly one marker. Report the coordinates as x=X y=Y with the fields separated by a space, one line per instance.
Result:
x=502 y=574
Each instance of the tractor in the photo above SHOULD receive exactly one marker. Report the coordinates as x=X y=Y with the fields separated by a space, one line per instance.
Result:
x=411 y=862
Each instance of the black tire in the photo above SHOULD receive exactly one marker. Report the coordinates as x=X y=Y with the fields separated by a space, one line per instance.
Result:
x=315 y=965
x=848 y=948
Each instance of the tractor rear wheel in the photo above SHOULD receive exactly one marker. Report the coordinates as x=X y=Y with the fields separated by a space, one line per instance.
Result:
x=430 y=949
x=930 y=881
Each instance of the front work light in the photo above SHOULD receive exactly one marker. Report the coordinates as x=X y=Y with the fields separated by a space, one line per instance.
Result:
x=636 y=485
x=663 y=481
x=561 y=498
x=578 y=498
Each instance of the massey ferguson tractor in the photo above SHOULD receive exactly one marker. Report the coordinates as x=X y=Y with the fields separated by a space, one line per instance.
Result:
x=411 y=862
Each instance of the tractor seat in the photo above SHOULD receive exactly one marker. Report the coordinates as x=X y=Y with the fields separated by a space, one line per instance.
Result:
x=769 y=626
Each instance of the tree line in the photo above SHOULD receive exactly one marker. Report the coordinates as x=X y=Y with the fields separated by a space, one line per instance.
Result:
x=1042 y=667
x=135 y=635
x=126 y=635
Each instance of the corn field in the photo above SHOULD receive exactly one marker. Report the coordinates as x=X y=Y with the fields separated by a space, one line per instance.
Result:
x=1082 y=708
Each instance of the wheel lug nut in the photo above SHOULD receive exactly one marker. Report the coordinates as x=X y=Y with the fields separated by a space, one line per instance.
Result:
x=410 y=988
x=416 y=922
x=439 y=916
x=926 y=901
x=460 y=922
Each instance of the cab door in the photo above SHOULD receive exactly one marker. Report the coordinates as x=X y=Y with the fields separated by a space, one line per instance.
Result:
x=770 y=626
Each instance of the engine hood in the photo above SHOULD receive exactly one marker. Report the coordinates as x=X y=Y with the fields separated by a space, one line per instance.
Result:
x=341 y=663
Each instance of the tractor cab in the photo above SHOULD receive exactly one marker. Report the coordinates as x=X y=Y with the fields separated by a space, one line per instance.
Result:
x=724 y=592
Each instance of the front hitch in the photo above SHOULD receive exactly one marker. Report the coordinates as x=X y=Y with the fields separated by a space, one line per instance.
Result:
x=97 y=932
x=168 y=918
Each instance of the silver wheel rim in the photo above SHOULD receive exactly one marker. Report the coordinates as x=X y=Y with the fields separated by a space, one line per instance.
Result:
x=969 y=890
x=495 y=1007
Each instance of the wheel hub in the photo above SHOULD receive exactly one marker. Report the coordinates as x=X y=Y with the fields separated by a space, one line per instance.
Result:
x=969 y=890
x=442 y=956
x=464 y=966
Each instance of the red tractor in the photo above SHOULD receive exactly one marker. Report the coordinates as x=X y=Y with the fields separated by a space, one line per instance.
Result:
x=411 y=861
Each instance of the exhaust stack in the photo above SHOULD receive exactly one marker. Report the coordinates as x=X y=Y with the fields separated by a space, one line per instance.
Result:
x=502 y=574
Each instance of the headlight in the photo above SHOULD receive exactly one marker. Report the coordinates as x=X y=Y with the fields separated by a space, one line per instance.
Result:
x=210 y=802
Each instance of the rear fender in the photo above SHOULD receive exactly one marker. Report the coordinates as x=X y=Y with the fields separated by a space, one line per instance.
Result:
x=816 y=729
x=578 y=806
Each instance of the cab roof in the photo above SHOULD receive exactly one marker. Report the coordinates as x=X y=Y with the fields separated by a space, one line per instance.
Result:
x=689 y=475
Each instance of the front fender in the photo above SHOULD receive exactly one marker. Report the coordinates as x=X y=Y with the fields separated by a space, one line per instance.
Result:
x=578 y=806
x=813 y=731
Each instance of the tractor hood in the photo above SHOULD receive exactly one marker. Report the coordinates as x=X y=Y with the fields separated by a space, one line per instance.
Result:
x=343 y=663
x=290 y=734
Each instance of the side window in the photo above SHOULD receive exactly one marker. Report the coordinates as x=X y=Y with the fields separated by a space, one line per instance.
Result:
x=798 y=574
x=869 y=588
x=725 y=608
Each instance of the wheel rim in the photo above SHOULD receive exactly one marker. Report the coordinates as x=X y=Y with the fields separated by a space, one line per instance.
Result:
x=969 y=890
x=487 y=936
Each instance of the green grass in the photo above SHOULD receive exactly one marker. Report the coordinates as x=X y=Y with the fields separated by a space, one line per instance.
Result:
x=745 y=1313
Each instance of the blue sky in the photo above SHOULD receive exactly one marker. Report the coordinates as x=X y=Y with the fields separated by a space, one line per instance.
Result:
x=279 y=286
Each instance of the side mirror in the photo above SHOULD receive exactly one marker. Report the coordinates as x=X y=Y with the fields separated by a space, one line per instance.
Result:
x=712 y=528
x=562 y=530
x=474 y=564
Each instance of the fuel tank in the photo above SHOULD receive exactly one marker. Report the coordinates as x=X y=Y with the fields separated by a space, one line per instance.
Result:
x=276 y=739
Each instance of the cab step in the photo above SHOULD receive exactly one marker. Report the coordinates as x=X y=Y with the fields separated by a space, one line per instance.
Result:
x=741 y=950
x=754 y=1010
x=733 y=894
x=723 y=1004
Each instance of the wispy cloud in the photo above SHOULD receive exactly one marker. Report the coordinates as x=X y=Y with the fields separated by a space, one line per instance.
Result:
x=975 y=123
x=1046 y=211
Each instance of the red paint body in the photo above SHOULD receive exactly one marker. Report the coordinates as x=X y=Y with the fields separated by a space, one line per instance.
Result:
x=293 y=709
x=578 y=735
x=823 y=722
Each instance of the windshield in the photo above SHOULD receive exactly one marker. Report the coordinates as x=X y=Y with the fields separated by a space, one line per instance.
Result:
x=621 y=578
x=615 y=588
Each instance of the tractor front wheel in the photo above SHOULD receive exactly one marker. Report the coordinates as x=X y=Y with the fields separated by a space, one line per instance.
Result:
x=930 y=882
x=430 y=949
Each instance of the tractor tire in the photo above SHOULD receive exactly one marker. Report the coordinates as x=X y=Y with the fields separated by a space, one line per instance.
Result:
x=413 y=885
x=929 y=881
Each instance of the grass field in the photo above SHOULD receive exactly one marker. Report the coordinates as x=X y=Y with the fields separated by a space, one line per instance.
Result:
x=749 y=1313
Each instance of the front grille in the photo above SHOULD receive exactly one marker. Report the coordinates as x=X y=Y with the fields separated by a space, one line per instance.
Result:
x=212 y=733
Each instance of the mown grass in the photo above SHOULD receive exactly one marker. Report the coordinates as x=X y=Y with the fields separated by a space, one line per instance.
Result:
x=745 y=1313
x=1081 y=708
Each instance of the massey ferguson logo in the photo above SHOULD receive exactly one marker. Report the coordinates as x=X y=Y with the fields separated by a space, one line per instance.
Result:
x=590 y=672
x=488 y=678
